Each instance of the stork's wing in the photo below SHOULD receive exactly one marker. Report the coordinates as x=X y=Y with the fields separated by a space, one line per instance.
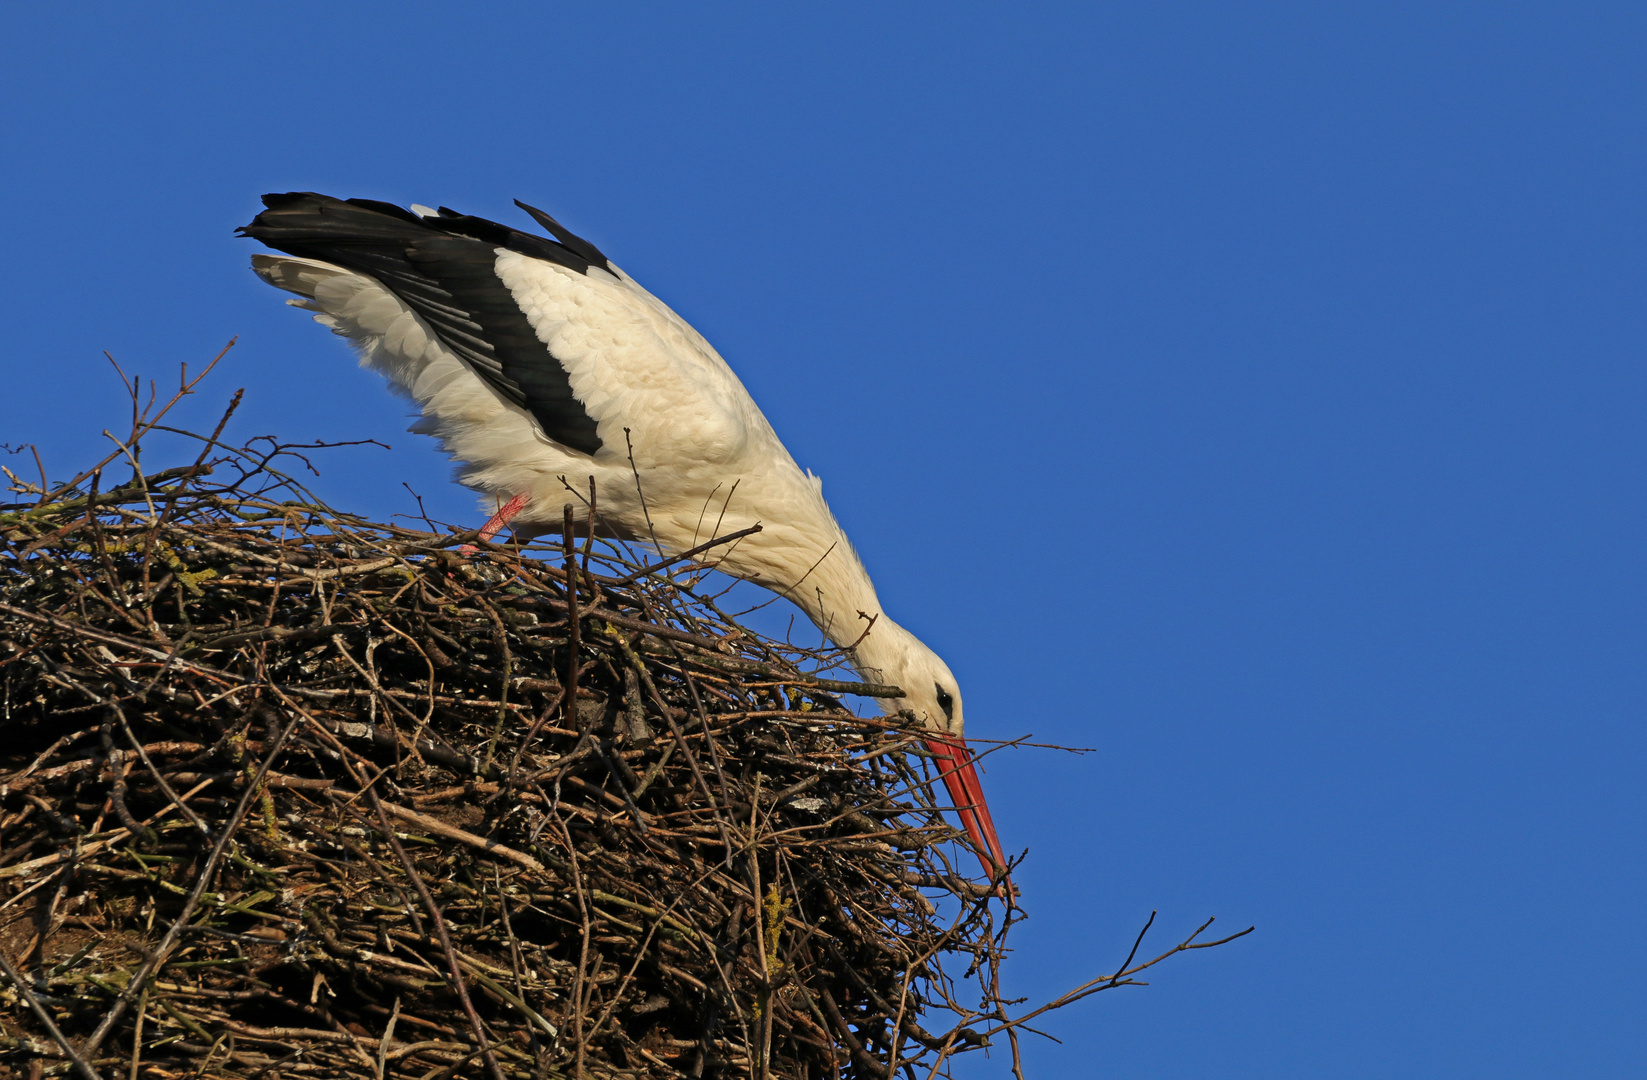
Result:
x=443 y=268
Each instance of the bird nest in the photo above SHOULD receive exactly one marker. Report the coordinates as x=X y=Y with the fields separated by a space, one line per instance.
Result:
x=287 y=792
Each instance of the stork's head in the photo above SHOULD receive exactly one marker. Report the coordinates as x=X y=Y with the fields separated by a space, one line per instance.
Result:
x=891 y=654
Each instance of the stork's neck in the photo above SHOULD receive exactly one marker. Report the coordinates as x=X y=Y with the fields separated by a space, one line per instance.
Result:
x=839 y=598
x=803 y=555
x=835 y=592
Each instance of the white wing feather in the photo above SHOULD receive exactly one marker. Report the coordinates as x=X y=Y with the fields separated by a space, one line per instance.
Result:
x=633 y=362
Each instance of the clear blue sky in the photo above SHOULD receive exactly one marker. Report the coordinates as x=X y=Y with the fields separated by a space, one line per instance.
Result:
x=1253 y=392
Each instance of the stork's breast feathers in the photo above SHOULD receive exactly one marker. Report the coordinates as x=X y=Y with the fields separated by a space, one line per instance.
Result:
x=631 y=362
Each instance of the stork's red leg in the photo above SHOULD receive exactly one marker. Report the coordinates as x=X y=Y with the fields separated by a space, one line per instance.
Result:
x=497 y=521
x=961 y=779
x=502 y=517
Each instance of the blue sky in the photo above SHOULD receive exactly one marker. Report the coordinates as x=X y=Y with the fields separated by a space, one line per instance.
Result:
x=1252 y=392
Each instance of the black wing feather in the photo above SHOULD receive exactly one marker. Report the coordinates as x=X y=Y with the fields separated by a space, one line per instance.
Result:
x=577 y=244
x=443 y=268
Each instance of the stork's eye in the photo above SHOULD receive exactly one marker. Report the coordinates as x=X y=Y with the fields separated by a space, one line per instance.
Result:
x=946 y=701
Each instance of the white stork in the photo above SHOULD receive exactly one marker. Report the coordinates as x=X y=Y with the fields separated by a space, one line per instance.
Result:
x=538 y=364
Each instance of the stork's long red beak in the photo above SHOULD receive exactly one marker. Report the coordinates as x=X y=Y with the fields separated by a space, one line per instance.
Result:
x=955 y=766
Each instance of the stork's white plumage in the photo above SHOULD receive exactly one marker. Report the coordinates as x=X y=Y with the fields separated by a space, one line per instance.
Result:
x=539 y=364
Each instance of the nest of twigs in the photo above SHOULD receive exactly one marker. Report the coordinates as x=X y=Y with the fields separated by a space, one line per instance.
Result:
x=287 y=792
